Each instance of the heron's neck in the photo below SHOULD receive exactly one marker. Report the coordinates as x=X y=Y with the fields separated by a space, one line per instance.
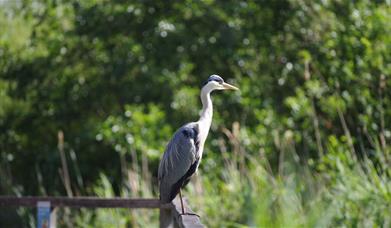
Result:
x=207 y=108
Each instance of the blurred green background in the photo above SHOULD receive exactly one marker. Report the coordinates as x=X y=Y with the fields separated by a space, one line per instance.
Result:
x=305 y=143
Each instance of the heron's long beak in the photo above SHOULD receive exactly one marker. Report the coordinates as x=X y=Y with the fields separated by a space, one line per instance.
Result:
x=228 y=86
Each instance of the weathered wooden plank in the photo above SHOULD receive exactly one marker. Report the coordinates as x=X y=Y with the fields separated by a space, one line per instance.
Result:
x=185 y=221
x=90 y=202
x=171 y=214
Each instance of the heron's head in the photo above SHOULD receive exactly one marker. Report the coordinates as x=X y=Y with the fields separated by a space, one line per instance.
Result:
x=215 y=82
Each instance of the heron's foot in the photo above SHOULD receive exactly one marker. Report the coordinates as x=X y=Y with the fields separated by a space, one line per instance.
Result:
x=192 y=214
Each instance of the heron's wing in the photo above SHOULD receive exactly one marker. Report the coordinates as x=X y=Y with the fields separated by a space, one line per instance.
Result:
x=179 y=161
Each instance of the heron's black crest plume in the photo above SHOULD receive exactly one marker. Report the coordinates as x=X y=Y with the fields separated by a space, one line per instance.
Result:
x=215 y=78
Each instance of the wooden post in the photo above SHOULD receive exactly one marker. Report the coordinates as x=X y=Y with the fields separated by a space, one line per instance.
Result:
x=165 y=218
x=188 y=220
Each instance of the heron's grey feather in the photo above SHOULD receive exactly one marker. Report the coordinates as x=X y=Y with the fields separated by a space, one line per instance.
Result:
x=180 y=154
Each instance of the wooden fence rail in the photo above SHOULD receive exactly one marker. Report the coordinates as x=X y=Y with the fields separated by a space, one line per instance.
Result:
x=170 y=214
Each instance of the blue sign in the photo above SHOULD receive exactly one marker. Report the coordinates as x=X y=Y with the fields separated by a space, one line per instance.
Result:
x=43 y=214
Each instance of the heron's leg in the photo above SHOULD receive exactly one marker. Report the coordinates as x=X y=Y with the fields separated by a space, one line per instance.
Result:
x=183 y=209
x=180 y=196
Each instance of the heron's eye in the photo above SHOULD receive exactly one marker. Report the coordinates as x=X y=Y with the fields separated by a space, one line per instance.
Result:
x=218 y=80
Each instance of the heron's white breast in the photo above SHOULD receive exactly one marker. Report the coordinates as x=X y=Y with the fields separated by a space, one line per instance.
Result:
x=203 y=127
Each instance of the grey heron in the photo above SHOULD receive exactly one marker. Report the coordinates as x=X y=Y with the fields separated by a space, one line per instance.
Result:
x=183 y=153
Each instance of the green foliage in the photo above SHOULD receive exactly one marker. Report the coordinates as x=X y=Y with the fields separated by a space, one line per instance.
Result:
x=136 y=130
x=310 y=136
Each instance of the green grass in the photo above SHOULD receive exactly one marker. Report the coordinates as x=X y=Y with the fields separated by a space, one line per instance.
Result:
x=342 y=193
